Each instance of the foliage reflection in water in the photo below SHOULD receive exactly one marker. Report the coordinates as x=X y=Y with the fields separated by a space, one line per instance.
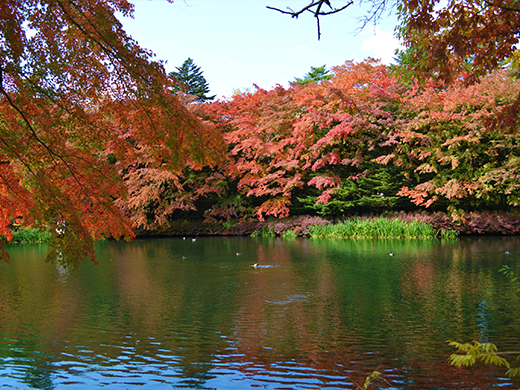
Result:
x=174 y=313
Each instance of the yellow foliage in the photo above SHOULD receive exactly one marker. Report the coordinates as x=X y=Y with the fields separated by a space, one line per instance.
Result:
x=484 y=352
x=369 y=378
x=512 y=372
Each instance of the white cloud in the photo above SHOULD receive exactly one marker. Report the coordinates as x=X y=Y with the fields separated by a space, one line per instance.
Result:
x=381 y=45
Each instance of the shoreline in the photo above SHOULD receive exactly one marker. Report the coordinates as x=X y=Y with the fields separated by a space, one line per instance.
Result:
x=411 y=226
x=465 y=224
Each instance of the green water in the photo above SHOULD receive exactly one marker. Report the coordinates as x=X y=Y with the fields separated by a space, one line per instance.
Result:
x=314 y=314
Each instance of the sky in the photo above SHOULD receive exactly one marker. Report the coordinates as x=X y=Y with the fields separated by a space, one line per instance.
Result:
x=238 y=43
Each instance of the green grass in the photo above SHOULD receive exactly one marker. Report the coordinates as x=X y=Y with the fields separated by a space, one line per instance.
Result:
x=377 y=228
x=289 y=234
x=25 y=235
x=265 y=232
x=449 y=234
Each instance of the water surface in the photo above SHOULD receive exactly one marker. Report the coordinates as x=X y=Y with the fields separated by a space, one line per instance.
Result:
x=315 y=314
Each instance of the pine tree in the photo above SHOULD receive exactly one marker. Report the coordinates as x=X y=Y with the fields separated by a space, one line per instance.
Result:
x=189 y=80
x=315 y=75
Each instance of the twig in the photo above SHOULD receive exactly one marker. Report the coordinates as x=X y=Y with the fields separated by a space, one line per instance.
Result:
x=317 y=12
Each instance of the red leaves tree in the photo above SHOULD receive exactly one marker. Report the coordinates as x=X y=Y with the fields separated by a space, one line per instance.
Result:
x=81 y=102
x=449 y=152
x=449 y=41
x=362 y=142
x=455 y=37
x=308 y=139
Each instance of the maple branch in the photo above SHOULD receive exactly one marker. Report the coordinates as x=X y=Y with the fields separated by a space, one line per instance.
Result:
x=18 y=155
x=492 y=4
x=317 y=12
x=107 y=48
x=34 y=135
x=117 y=58
x=111 y=52
x=27 y=122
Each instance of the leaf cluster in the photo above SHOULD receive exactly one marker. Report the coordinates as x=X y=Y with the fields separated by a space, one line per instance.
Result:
x=81 y=105
x=507 y=271
x=448 y=39
x=487 y=353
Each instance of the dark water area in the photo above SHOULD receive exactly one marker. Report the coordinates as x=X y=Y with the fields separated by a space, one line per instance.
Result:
x=314 y=314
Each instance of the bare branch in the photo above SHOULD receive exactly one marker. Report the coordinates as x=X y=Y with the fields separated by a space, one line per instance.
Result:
x=290 y=12
x=503 y=7
x=315 y=7
x=378 y=8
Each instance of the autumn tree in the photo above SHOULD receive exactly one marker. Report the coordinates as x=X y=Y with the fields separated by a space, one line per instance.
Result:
x=189 y=80
x=453 y=37
x=311 y=146
x=447 y=152
x=362 y=142
x=156 y=195
x=80 y=104
x=351 y=117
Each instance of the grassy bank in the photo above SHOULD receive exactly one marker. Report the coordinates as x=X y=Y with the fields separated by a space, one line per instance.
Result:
x=379 y=228
x=443 y=224
x=399 y=225
x=26 y=235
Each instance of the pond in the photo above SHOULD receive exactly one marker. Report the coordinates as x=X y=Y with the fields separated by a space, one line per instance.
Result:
x=314 y=314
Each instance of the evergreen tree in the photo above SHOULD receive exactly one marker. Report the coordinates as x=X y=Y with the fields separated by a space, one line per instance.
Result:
x=189 y=80
x=315 y=75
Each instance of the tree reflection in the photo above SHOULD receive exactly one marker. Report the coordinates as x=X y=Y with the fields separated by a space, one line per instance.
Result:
x=328 y=313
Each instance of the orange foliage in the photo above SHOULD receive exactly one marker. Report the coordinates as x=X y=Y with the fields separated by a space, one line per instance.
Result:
x=450 y=38
x=318 y=139
x=455 y=41
x=447 y=136
x=289 y=139
x=80 y=102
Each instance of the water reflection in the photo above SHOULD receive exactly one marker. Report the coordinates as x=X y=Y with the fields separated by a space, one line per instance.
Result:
x=314 y=314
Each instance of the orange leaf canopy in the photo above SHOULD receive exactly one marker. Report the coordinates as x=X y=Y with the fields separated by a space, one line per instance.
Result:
x=79 y=102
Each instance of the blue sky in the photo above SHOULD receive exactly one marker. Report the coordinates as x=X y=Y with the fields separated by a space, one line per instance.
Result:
x=238 y=43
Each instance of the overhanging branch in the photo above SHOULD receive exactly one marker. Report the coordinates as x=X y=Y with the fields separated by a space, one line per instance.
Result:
x=315 y=8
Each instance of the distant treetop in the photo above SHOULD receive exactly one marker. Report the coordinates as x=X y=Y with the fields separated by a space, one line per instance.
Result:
x=189 y=80
x=315 y=75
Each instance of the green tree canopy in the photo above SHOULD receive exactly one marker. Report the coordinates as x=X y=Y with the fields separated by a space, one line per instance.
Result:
x=315 y=75
x=189 y=80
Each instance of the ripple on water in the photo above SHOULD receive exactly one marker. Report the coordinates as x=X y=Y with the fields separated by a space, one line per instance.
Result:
x=329 y=314
x=296 y=298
